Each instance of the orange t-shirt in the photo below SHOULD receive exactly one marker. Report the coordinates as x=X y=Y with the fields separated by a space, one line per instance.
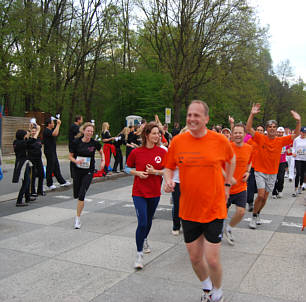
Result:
x=255 y=151
x=269 y=150
x=200 y=162
x=243 y=159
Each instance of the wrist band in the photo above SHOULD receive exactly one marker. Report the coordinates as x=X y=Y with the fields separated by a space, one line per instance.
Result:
x=227 y=185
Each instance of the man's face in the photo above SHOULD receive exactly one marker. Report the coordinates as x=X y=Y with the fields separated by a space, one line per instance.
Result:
x=271 y=129
x=196 y=119
x=227 y=134
x=238 y=135
x=80 y=121
x=280 y=133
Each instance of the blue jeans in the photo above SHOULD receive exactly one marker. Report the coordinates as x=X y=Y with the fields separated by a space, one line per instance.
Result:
x=145 y=209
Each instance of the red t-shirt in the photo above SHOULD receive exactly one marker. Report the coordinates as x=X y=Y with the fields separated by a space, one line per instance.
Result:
x=139 y=158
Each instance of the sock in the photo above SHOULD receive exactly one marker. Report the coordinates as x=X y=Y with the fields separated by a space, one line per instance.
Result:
x=228 y=228
x=216 y=294
x=77 y=218
x=207 y=285
x=140 y=253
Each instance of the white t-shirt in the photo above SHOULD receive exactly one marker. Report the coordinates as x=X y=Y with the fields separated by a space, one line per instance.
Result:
x=299 y=148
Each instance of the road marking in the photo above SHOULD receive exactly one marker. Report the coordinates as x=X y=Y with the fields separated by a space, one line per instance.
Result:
x=262 y=220
x=62 y=197
x=101 y=201
x=88 y=199
x=292 y=224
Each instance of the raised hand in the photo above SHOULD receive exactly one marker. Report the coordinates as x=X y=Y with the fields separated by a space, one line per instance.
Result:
x=231 y=120
x=295 y=115
x=255 y=108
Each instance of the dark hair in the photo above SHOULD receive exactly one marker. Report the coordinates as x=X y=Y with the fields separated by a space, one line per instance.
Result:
x=20 y=134
x=261 y=127
x=77 y=118
x=48 y=121
x=147 y=130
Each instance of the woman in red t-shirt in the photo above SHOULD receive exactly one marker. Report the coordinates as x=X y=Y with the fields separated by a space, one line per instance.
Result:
x=148 y=163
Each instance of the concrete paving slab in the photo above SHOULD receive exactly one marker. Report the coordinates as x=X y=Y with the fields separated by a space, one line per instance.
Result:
x=44 y=215
x=160 y=231
x=286 y=245
x=10 y=228
x=279 y=206
x=298 y=207
x=165 y=199
x=124 y=193
x=54 y=281
x=238 y=297
x=102 y=223
x=248 y=241
x=48 y=241
x=140 y=288
x=112 y=252
x=277 y=277
x=12 y=262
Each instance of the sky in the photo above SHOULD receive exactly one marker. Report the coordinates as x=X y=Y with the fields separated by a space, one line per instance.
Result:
x=287 y=22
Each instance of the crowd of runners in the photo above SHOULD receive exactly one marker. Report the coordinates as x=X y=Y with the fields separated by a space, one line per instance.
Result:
x=206 y=171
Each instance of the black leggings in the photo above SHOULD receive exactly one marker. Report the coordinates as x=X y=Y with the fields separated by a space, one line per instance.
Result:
x=81 y=183
x=175 y=209
x=300 y=166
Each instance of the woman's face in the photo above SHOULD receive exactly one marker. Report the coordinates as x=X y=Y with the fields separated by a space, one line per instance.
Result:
x=33 y=131
x=88 y=132
x=153 y=136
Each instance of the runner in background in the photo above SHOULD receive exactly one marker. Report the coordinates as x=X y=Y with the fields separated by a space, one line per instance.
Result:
x=267 y=161
x=82 y=155
x=238 y=193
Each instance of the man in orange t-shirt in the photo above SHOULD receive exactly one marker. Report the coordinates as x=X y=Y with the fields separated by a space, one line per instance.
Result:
x=267 y=159
x=200 y=155
x=238 y=193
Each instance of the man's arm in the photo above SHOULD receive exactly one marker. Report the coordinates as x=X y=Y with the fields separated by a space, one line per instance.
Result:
x=297 y=118
x=229 y=172
x=168 y=180
x=249 y=124
x=56 y=129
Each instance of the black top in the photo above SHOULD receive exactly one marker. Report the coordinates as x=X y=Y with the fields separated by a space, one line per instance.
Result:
x=49 y=141
x=73 y=131
x=175 y=131
x=120 y=141
x=133 y=138
x=79 y=148
x=20 y=148
x=107 y=135
x=34 y=148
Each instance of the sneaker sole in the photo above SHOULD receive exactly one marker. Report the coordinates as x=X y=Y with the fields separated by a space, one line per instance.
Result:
x=146 y=251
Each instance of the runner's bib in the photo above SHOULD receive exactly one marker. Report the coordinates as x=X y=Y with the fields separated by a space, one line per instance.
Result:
x=85 y=164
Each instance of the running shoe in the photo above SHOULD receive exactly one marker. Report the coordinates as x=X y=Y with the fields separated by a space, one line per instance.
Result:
x=280 y=195
x=175 y=232
x=299 y=190
x=205 y=296
x=52 y=187
x=252 y=224
x=77 y=223
x=294 y=194
x=229 y=236
x=274 y=196
x=146 y=247
x=258 y=220
x=139 y=262
x=66 y=184
x=290 y=179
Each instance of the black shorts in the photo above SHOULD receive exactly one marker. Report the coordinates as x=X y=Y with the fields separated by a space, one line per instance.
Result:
x=212 y=231
x=81 y=183
x=239 y=199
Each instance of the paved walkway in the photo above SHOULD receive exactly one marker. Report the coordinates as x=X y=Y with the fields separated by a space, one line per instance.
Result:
x=42 y=258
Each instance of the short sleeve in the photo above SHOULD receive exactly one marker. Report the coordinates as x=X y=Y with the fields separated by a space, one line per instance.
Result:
x=229 y=152
x=131 y=159
x=286 y=140
x=73 y=147
x=169 y=159
x=97 y=146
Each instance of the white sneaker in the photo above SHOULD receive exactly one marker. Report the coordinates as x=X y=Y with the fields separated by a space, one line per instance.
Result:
x=139 y=262
x=258 y=220
x=67 y=183
x=205 y=296
x=77 y=223
x=299 y=190
x=294 y=194
x=175 y=232
x=252 y=224
x=280 y=195
x=52 y=187
x=146 y=247
x=274 y=196
x=229 y=236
